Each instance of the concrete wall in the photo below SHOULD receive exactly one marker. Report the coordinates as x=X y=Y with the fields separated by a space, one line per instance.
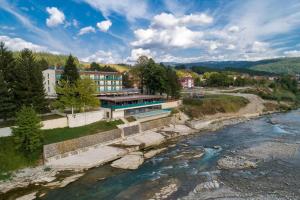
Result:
x=47 y=124
x=55 y=123
x=157 y=123
x=82 y=119
x=49 y=82
x=117 y=114
x=171 y=104
x=4 y=132
x=75 y=146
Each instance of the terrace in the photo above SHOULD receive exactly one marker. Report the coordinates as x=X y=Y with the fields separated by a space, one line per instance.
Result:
x=124 y=102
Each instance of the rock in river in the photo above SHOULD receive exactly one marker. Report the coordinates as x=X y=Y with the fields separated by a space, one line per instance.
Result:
x=236 y=162
x=130 y=161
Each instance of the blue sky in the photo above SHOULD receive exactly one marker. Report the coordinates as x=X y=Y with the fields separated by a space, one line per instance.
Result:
x=118 y=31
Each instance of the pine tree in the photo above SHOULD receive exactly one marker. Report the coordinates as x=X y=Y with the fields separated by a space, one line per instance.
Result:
x=27 y=134
x=28 y=85
x=173 y=86
x=70 y=73
x=7 y=108
x=6 y=62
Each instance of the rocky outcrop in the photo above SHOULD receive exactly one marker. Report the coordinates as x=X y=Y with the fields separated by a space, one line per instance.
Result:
x=154 y=152
x=236 y=162
x=27 y=176
x=130 y=161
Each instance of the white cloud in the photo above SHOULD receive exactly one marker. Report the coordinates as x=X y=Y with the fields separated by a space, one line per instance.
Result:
x=85 y=30
x=136 y=53
x=259 y=47
x=179 y=36
x=292 y=53
x=56 y=17
x=234 y=29
x=104 y=25
x=17 y=44
x=105 y=57
x=169 y=20
x=132 y=9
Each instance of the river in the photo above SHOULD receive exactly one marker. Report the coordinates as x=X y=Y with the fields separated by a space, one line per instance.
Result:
x=175 y=173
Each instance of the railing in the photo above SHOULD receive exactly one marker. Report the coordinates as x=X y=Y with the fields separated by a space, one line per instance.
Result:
x=132 y=105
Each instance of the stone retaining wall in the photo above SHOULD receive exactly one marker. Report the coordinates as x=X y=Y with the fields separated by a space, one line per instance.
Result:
x=131 y=130
x=74 y=146
x=156 y=123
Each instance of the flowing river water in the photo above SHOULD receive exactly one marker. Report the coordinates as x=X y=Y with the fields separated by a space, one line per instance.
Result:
x=176 y=172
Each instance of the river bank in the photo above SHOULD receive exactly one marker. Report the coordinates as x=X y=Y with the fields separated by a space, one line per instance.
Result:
x=189 y=167
x=43 y=178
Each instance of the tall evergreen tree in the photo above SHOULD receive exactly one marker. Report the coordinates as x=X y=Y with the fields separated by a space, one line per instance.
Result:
x=7 y=108
x=173 y=86
x=28 y=85
x=70 y=73
x=7 y=63
x=27 y=134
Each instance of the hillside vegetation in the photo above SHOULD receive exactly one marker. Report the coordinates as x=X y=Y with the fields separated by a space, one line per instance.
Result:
x=212 y=104
x=52 y=59
x=283 y=65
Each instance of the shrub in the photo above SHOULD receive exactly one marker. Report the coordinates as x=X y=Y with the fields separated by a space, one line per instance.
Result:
x=27 y=134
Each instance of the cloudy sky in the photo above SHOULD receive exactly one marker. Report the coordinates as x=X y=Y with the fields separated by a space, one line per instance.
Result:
x=115 y=31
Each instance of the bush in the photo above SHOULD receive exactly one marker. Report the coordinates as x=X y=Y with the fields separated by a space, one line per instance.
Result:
x=27 y=134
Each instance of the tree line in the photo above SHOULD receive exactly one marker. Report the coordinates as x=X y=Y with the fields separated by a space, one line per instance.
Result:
x=21 y=83
x=153 y=78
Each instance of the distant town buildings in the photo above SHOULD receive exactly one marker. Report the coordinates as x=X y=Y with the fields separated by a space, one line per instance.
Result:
x=187 y=82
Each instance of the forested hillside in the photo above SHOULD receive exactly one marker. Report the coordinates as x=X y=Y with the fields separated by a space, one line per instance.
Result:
x=283 y=65
x=52 y=59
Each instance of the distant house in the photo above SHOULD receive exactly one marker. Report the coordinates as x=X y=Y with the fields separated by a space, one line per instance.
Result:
x=187 y=81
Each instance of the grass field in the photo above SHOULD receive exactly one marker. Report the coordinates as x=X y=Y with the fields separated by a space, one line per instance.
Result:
x=11 y=159
x=212 y=104
x=61 y=134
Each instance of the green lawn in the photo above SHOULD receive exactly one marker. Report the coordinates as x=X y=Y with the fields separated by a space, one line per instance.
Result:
x=212 y=104
x=61 y=134
x=11 y=159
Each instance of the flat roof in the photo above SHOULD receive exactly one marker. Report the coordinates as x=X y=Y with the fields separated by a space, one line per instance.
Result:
x=60 y=71
x=131 y=98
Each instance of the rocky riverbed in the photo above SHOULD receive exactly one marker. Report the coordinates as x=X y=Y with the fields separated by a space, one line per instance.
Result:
x=251 y=160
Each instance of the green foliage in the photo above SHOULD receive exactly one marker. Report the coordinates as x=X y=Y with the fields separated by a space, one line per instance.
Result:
x=27 y=134
x=7 y=107
x=216 y=79
x=209 y=105
x=154 y=78
x=51 y=59
x=126 y=80
x=172 y=83
x=12 y=159
x=96 y=67
x=66 y=96
x=70 y=73
x=79 y=95
x=28 y=85
x=85 y=89
x=61 y=134
x=280 y=66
